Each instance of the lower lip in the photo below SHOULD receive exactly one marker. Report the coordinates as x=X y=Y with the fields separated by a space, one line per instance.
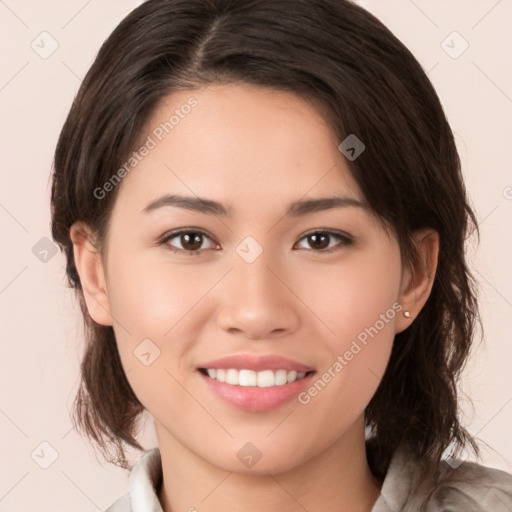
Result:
x=253 y=398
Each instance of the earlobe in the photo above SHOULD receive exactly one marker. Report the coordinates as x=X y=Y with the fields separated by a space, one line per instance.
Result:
x=417 y=281
x=90 y=269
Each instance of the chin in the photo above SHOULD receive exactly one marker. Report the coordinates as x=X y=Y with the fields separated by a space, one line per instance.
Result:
x=258 y=459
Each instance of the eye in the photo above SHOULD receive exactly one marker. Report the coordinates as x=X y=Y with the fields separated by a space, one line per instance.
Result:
x=321 y=240
x=189 y=240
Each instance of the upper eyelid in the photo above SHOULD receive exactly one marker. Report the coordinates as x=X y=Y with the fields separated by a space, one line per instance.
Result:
x=331 y=231
x=337 y=233
x=172 y=234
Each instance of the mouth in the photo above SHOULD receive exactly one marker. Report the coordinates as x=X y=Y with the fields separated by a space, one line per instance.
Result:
x=261 y=379
x=255 y=383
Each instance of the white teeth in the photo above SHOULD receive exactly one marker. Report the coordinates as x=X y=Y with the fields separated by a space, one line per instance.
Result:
x=281 y=377
x=262 y=379
x=247 y=378
x=232 y=376
x=266 y=379
x=292 y=375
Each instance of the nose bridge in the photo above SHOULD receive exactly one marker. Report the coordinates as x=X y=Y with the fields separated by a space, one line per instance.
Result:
x=257 y=302
x=255 y=268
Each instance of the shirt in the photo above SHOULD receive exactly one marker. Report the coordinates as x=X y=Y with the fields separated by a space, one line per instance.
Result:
x=465 y=486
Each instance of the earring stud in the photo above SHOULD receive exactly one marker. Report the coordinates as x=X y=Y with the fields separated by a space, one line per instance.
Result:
x=407 y=314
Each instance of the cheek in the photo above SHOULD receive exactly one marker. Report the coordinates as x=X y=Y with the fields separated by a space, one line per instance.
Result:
x=152 y=302
x=351 y=297
x=358 y=303
x=153 y=298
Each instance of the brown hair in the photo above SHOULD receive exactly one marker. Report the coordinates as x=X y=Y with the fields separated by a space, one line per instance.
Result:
x=365 y=82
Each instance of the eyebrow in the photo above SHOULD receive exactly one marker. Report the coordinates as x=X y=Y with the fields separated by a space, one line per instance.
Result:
x=296 y=209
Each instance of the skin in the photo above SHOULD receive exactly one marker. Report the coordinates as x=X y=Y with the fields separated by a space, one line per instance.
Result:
x=255 y=150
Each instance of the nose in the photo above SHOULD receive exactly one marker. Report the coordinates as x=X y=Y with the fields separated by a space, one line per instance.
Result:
x=257 y=301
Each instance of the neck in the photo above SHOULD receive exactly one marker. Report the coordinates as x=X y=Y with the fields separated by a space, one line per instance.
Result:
x=336 y=480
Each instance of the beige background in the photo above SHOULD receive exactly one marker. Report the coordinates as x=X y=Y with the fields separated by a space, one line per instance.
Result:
x=41 y=327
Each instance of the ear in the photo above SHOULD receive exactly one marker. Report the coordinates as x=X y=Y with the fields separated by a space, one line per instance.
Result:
x=90 y=269
x=417 y=281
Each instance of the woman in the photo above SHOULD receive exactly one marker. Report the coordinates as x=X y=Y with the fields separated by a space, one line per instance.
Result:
x=264 y=217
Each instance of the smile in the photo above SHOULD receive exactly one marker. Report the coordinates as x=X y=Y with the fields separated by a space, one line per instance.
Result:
x=246 y=377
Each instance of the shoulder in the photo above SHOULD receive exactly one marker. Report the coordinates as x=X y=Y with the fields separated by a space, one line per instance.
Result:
x=461 y=486
x=471 y=487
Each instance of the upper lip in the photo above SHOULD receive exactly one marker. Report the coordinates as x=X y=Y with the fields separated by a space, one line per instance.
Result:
x=256 y=363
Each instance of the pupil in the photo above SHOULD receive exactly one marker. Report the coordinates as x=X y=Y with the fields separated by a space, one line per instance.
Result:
x=316 y=237
x=190 y=241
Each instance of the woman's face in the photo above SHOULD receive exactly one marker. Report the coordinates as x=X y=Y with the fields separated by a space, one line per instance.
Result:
x=263 y=284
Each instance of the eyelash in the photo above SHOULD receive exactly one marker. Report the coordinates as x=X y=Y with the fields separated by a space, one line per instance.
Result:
x=345 y=239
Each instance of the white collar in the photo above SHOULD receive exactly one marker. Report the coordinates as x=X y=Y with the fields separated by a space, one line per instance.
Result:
x=475 y=487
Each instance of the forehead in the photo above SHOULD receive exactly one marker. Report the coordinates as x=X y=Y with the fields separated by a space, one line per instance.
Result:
x=245 y=146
